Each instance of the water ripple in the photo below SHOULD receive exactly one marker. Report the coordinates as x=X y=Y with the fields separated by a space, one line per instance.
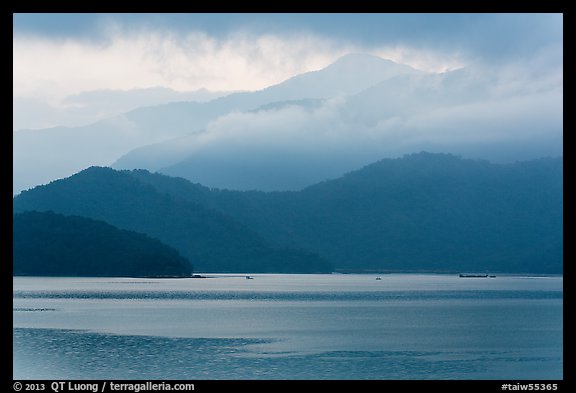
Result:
x=289 y=296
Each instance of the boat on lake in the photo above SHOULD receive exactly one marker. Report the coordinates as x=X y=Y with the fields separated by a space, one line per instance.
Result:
x=475 y=275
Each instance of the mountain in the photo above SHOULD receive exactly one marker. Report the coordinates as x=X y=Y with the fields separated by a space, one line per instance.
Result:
x=290 y=145
x=89 y=107
x=49 y=244
x=62 y=151
x=424 y=211
x=241 y=160
x=438 y=212
x=348 y=75
x=210 y=240
x=421 y=212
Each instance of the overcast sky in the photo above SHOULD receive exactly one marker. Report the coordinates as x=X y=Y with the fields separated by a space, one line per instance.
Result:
x=56 y=55
x=74 y=69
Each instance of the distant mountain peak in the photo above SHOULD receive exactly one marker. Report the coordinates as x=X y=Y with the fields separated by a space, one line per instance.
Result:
x=367 y=61
x=355 y=58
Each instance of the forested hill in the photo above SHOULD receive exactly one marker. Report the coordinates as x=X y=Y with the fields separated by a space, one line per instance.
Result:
x=49 y=244
x=432 y=212
x=421 y=212
x=210 y=240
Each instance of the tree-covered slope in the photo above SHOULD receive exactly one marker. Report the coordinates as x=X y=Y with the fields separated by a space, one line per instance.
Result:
x=50 y=244
x=432 y=211
x=420 y=212
x=209 y=239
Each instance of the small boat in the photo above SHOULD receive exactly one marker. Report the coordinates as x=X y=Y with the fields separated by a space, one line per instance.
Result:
x=467 y=275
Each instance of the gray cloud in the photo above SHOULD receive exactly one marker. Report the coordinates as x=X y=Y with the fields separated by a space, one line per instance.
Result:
x=466 y=112
x=503 y=102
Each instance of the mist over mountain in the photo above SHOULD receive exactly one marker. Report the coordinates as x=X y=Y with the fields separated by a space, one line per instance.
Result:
x=422 y=212
x=104 y=142
x=91 y=106
x=311 y=127
x=290 y=145
x=313 y=100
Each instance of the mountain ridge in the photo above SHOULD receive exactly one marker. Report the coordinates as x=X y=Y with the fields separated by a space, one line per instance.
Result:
x=104 y=142
x=458 y=111
x=210 y=240
x=421 y=212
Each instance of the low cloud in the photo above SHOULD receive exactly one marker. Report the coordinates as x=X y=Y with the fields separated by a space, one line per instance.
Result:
x=51 y=68
x=91 y=106
x=453 y=118
x=48 y=69
x=494 y=90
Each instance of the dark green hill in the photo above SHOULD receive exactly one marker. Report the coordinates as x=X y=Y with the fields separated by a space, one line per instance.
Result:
x=210 y=240
x=49 y=244
x=433 y=212
x=440 y=212
x=422 y=212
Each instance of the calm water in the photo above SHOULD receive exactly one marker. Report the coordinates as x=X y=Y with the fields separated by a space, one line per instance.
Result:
x=288 y=327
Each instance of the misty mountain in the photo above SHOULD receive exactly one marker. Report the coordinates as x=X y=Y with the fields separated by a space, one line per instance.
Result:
x=210 y=240
x=49 y=244
x=91 y=106
x=348 y=75
x=177 y=152
x=291 y=145
x=422 y=212
x=62 y=151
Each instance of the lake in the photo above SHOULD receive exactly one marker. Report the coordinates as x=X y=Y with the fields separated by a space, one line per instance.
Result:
x=339 y=326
